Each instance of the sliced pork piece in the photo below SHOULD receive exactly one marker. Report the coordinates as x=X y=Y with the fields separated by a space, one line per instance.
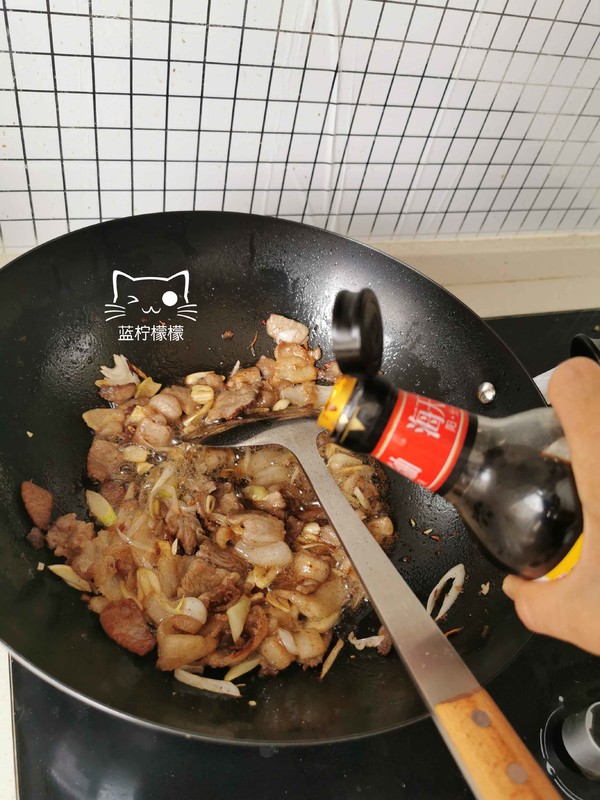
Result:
x=229 y=503
x=282 y=329
x=273 y=503
x=215 y=381
x=294 y=364
x=270 y=466
x=267 y=367
x=231 y=403
x=38 y=503
x=250 y=376
x=68 y=535
x=189 y=533
x=183 y=624
x=77 y=542
x=258 y=528
x=261 y=540
x=114 y=491
x=35 y=538
x=267 y=397
x=106 y=421
x=123 y=621
x=309 y=567
x=200 y=578
x=222 y=559
x=301 y=394
x=167 y=405
x=224 y=595
x=104 y=460
x=119 y=393
x=184 y=396
x=153 y=432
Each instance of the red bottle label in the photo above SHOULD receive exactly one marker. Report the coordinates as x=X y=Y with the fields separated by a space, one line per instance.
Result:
x=422 y=439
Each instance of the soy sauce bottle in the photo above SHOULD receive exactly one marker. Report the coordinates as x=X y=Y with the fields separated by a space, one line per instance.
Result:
x=510 y=479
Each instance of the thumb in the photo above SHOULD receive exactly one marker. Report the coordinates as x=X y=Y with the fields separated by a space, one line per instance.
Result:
x=540 y=606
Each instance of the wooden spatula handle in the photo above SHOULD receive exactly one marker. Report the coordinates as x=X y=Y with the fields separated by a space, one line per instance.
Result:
x=495 y=759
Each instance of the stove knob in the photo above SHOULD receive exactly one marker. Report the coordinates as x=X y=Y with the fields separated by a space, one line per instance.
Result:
x=581 y=737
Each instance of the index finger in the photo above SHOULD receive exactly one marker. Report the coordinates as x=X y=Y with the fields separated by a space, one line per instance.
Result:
x=575 y=394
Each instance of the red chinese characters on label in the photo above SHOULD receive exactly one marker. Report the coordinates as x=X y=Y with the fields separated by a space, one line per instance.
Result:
x=422 y=439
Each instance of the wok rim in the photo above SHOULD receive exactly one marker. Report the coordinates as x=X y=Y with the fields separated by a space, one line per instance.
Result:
x=230 y=740
x=223 y=740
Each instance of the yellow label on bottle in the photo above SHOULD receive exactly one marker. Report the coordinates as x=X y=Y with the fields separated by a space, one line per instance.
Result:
x=566 y=565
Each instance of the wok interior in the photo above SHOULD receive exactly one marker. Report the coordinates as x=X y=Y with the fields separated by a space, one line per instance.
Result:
x=52 y=339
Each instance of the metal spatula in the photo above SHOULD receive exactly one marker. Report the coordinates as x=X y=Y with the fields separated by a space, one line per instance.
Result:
x=491 y=756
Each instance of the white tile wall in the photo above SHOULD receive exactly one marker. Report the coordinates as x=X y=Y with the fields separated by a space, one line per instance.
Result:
x=386 y=120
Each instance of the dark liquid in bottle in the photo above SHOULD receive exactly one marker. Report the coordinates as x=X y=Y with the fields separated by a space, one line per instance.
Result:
x=516 y=489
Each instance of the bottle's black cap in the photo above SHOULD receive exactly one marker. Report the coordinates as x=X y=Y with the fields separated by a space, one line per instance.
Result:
x=357 y=332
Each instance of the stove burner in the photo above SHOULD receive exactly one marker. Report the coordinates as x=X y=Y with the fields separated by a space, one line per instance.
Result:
x=569 y=777
x=581 y=737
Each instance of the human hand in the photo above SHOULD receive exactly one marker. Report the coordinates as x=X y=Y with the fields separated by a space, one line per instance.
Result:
x=569 y=608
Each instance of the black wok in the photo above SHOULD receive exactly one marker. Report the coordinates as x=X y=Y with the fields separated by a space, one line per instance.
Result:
x=53 y=336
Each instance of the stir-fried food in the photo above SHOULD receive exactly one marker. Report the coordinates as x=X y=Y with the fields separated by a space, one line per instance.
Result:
x=217 y=558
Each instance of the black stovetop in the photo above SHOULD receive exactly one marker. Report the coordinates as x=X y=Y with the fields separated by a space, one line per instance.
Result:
x=67 y=750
